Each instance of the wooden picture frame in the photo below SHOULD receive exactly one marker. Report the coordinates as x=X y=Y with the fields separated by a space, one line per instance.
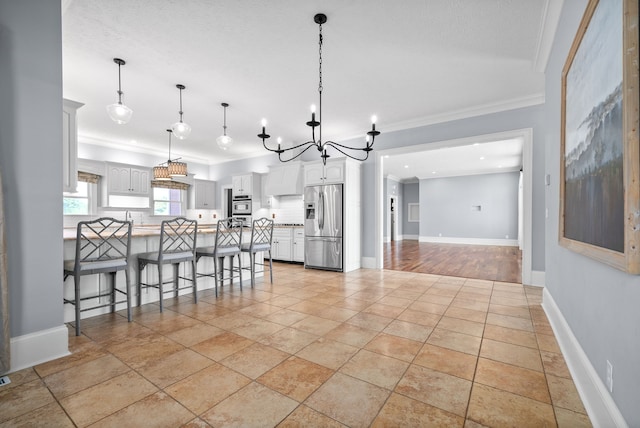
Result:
x=600 y=157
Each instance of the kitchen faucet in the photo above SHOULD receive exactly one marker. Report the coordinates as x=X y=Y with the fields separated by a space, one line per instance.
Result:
x=127 y=216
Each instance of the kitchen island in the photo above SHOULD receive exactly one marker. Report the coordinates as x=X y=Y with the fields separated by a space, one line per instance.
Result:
x=146 y=238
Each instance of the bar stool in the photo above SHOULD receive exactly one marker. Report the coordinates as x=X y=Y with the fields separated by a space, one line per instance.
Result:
x=102 y=246
x=261 y=238
x=228 y=241
x=177 y=245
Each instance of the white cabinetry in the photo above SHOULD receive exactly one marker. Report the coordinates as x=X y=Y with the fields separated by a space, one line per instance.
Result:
x=69 y=145
x=247 y=185
x=126 y=180
x=298 y=245
x=204 y=195
x=331 y=173
x=281 y=244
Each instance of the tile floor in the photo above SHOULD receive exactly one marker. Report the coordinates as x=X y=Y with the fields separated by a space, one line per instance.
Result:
x=367 y=348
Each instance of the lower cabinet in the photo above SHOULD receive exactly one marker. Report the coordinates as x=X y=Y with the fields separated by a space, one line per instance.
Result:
x=288 y=244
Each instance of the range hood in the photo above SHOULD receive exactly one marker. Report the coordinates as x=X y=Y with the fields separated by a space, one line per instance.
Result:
x=284 y=179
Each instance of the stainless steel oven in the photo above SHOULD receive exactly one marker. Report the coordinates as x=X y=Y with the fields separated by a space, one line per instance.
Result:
x=241 y=206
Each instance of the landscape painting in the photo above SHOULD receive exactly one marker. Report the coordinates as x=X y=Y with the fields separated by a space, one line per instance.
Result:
x=594 y=139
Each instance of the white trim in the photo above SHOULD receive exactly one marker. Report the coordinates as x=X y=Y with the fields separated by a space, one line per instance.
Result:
x=538 y=278
x=527 y=182
x=600 y=407
x=386 y=239
x=546 y=35
x=410 y=237
x=39 y=347
x=368 y=263
x=469 y=241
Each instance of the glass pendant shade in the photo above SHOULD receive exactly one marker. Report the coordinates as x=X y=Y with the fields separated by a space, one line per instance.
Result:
x=177 y=169
x=181 y=130
x=161 y=173
x=119 y=113
x=224 y=142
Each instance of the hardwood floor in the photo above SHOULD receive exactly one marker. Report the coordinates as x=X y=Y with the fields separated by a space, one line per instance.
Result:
x=469 y=261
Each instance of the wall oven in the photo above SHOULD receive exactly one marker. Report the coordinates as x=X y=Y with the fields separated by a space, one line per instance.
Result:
x=241 y=205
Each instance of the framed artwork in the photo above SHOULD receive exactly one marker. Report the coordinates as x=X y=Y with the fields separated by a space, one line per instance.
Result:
x=600 y=158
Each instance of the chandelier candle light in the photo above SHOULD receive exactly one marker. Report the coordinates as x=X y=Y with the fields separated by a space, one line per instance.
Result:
x=119 y=112
x=224 y=141
x=320 y=19
x=181 y=129
x=171 y=168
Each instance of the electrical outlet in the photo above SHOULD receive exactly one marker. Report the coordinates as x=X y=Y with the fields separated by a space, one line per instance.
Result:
x=609 y=376
x=199 y=215
x=4 y=380
x=273 y=215
x=215 y=215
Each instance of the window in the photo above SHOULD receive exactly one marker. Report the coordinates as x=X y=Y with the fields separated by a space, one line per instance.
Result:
x=167 y=201
x=78 y=202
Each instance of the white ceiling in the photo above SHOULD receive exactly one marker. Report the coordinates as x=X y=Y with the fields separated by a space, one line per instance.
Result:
x=411 y=63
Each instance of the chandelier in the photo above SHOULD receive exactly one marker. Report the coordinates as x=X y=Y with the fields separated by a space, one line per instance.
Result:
x=320 y=145
x=119 y=112
x=171 y=168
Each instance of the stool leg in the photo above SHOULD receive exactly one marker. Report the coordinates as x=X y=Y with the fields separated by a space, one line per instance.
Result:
x=112 y=284
x=139 y=282
x=215 y=275
x=270 y=267
x=160 y=284
x=252 y=260
x=240 y=268
x=76 y=283
x=175 y=280
x=193 y=281
x=128 y=292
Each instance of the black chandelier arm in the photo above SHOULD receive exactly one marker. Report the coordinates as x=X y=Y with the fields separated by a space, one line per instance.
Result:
x=338 y=146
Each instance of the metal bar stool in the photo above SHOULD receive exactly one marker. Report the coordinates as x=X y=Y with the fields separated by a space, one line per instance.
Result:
x=102 y=246
x=177 y=245
x=228 y=241
x=261 y=238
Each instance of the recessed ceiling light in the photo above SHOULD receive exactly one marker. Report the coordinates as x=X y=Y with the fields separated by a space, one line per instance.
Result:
x=476 y=144
x=133 y=142
x=499 y=166
x=481 y=157
x=406 y=166
x=386 y=156
x=433 y=172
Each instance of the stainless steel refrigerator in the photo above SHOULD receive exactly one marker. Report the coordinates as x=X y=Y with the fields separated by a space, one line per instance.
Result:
x=323 y=227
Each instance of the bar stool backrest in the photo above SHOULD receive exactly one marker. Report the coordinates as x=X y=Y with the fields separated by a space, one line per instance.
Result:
x=102 y=240
x=228 y=234
x=261 y=234
x=178 y=236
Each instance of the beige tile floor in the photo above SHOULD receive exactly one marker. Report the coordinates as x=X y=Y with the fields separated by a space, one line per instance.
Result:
x=315 y=348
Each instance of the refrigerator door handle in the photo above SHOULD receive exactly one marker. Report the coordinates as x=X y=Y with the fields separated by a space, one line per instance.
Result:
x=321 y=211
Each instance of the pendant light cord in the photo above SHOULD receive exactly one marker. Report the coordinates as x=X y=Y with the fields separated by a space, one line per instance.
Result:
x=320 y=85
x=119 y=85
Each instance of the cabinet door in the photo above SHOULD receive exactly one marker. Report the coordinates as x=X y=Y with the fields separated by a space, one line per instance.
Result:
x=139 y=181
x=334 y=172
x=119 y=179
x=247 y=184
x=237 y=184
x=205 y=194
x=298 y=245
x=284 y=249
x=313 y=174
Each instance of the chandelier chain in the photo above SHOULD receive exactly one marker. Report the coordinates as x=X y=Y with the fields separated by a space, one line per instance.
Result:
x=320 y=59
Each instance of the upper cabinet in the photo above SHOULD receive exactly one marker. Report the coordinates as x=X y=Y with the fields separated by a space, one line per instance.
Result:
x=203 y=195
x=284 y=179
x=317 y=173
x=126 y=180
x=69 y=145
x=247 y=185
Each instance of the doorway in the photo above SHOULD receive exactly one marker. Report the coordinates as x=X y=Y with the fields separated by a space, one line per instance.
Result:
x=393 y=230
x=527 y=163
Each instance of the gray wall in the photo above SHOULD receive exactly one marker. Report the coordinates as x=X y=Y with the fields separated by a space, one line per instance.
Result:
x=446 y=206
x=31 y=160
x=529 y=117
x=410 y=194
x=599 y=303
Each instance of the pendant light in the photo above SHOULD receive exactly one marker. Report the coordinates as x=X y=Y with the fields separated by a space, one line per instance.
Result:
x=119 y=112
x=181 y=129
x=171 y=168
x=224 y=141
x=357 y=153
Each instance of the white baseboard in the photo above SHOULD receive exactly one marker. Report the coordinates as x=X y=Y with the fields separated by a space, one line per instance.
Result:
x=538 y=278
x=368 y=262
x=599 y=404
x=469 y=241
x=39 y=347
x=410 y=237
